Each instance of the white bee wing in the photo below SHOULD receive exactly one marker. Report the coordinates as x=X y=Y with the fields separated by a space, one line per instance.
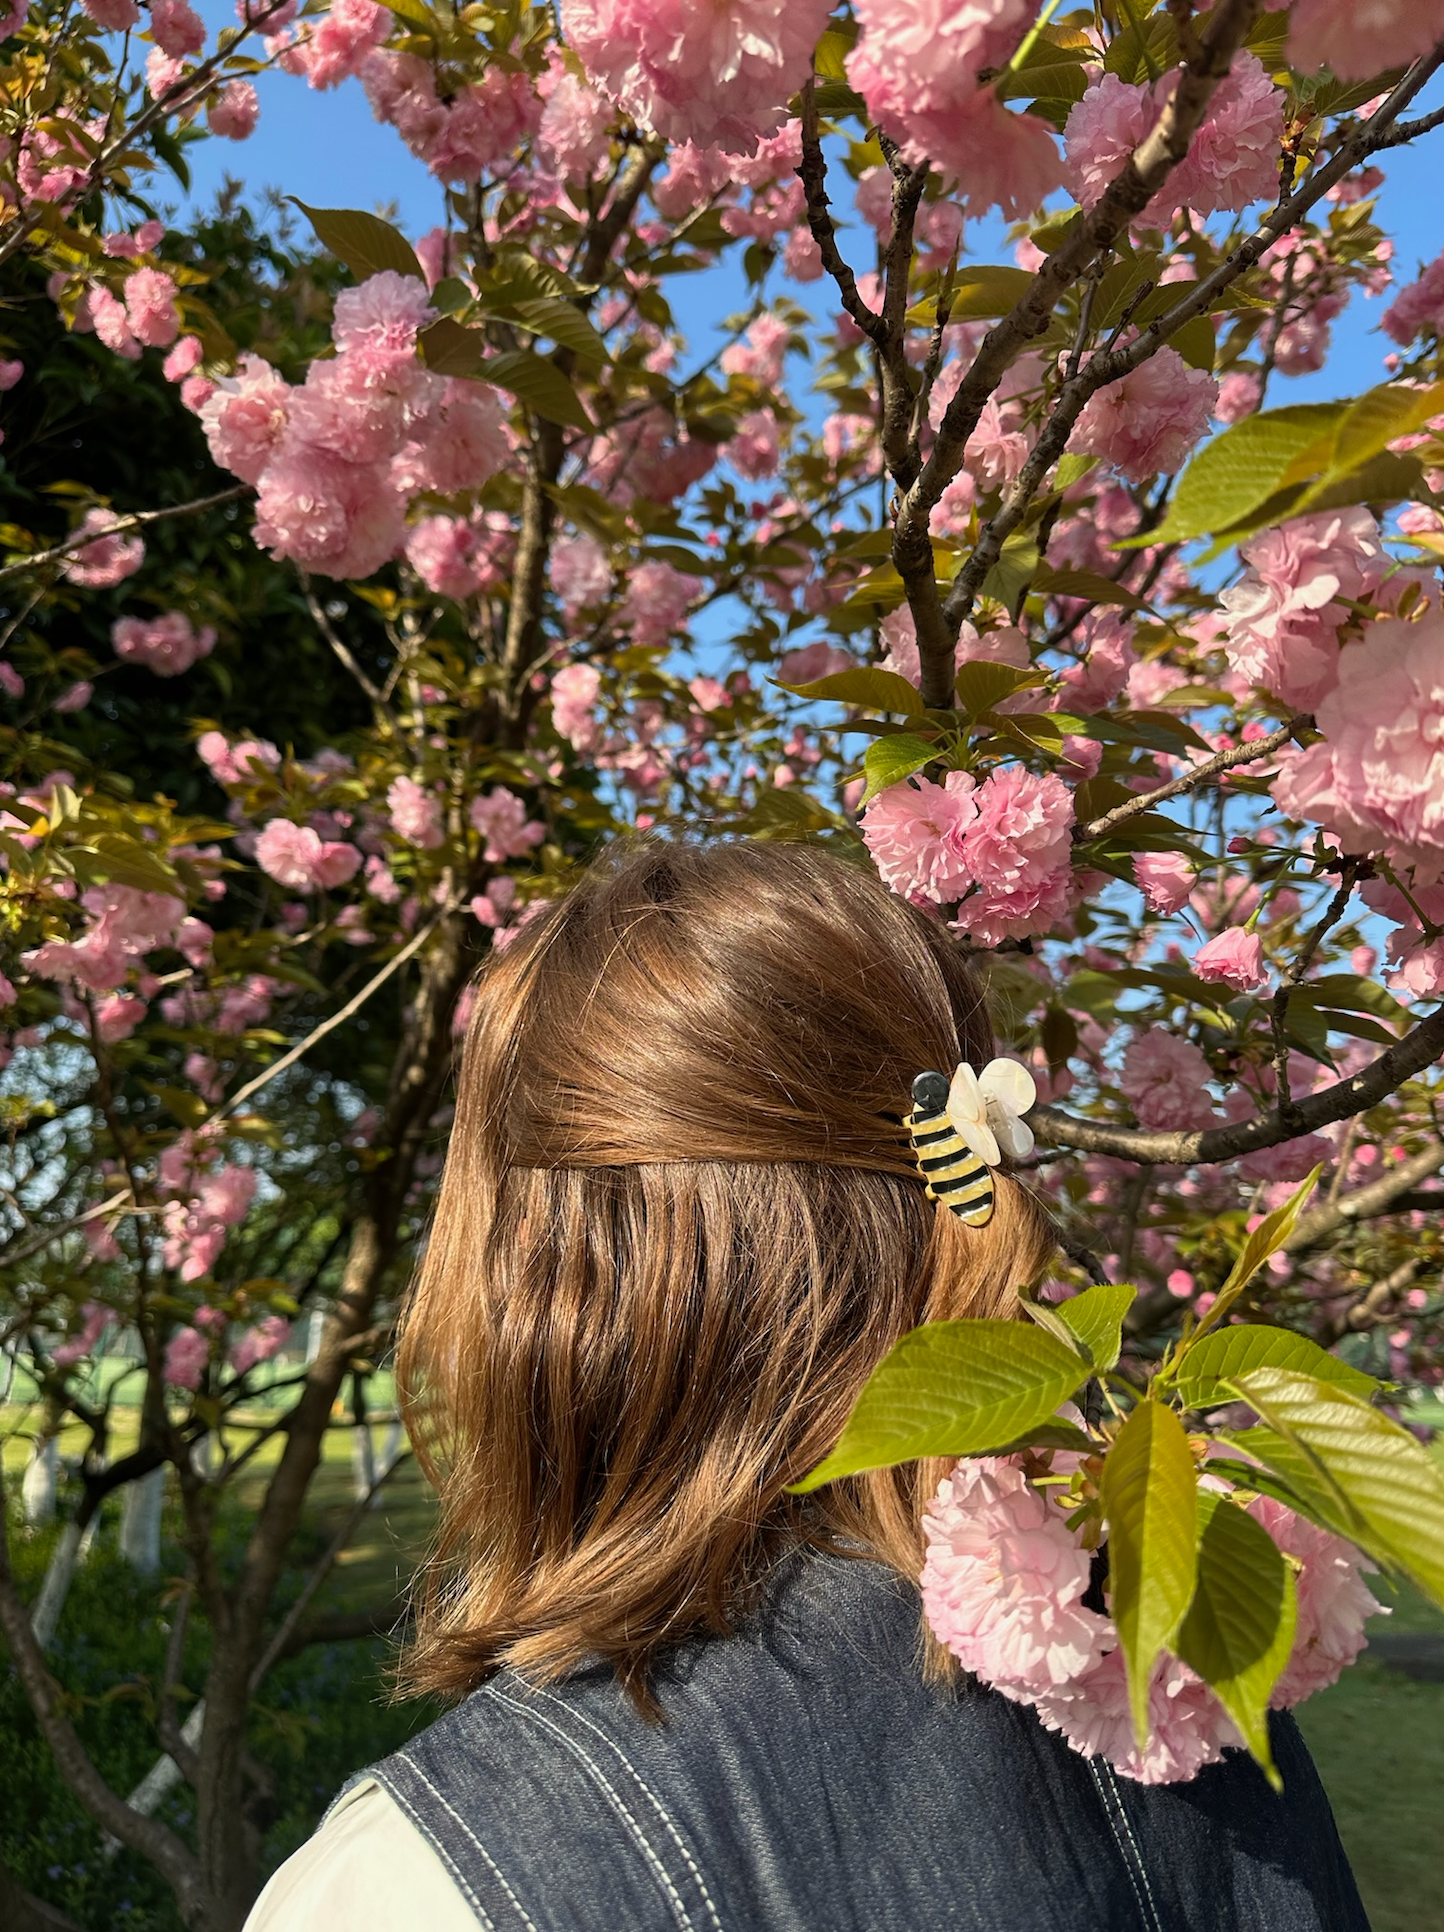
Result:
x=1007 y=1092
x=967 y=1112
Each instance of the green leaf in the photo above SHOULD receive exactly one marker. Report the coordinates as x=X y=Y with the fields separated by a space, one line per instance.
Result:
x=1082 y=583
x=1096 y=1318
x=452 y=350
x=365 y=243
x=1240 y=1627
x=1209 y=1365
x=128 y=863
x=564 y=322
x=952 y=1389
x=1237 y=471
x=1072 y=468
x=1369 y=425
x=537 y=382
x=892 y=759
x=1389 y=1485
x=879 y=690
x=1056 y=1434
x=1150 y=1504
x=988 y=290
x=1267 y=1238
x=982 y=685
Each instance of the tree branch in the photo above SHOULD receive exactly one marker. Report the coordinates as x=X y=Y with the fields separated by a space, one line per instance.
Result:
x=1417 y=1050
x=338 y=1018
x=1109 y=365
x=1365 y=1203
x=1245 y=754
x=1127 y=196
x=122 y=526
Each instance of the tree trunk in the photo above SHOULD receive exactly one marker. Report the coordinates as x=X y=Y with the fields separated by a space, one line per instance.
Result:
x=41 y=1483
x=59 y=1574
x=140 y=1523
x=418 y=1078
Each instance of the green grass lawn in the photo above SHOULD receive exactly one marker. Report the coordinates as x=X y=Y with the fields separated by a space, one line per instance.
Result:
x=1378 y=1736
x=1378 y=1739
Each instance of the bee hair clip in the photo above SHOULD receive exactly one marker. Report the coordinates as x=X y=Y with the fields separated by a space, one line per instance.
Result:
x=962 y=1128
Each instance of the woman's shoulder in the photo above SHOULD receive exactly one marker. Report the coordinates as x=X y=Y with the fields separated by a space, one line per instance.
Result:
x=366 y=1869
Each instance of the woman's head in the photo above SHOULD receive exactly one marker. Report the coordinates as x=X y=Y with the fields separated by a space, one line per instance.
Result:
x=679 y=1226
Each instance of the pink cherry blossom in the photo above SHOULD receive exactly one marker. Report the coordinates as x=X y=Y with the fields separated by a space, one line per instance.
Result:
x=76 y=697
x=10 y=373
x=813 y=661
x=166 y=645
x=1356 y=39
x=755 y=449
x=117 y=1018
x=232 y=764
x=1003 y=1578
x=1188 y=1727
x=1018 y=851
x=297 y=856
x=339 y=43
x=150 y=305
x=415 y=813
x=581 y=575
x=51 y=167
x=116 y=16
x=500 y=817
x=575 y=690
x=336 y=517
x=186 y=1355
x=1146 y=423
x=1165 y=879
x=657 y=601
x=245 y=417
x=125 y=924
x=708 y=695
x=1239 y=395
x=261 y=1343
x=177 y=28
x=234 y=112
x=1232 y=161
x=183 y=358
x=111 y=322
x=918 y=68
x=1334 y=1601
x=1234 y=958
x=574 y=131
x=95 y=1318
x=1101 y=675
x=1377 y=779
x=1164 y=1079
x=458 y=442
x=1418 y=307
x=720 y=75
x=914 y=832
x=1284 y=615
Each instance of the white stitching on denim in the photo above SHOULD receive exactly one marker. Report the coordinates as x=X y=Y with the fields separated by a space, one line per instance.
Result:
x=500 y=1876
x=1137 y=1849
x=677 y=1839
x=643 y=1842
x=1145 y=1911
x=400 y=1798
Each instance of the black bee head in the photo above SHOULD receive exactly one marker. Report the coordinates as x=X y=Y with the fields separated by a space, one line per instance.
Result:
x=930 y=1093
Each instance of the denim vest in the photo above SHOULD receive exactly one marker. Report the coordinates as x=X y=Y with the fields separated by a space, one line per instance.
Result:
x=807 y=1779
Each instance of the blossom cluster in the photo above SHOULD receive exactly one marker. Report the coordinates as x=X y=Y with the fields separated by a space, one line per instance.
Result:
x=338 y=460
x=1011 y=1591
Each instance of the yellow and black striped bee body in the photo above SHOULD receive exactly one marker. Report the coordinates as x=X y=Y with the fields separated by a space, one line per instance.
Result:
x=953 y=1173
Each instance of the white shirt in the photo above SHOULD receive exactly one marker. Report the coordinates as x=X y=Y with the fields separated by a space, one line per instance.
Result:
x=368 y=1869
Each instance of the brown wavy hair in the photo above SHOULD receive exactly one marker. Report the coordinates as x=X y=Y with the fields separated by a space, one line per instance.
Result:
x=679 y=1225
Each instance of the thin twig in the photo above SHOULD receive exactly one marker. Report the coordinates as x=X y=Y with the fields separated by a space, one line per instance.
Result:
x=122 y=525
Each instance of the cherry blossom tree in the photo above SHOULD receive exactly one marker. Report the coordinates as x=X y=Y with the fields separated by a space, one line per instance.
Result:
x=1020 y=579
